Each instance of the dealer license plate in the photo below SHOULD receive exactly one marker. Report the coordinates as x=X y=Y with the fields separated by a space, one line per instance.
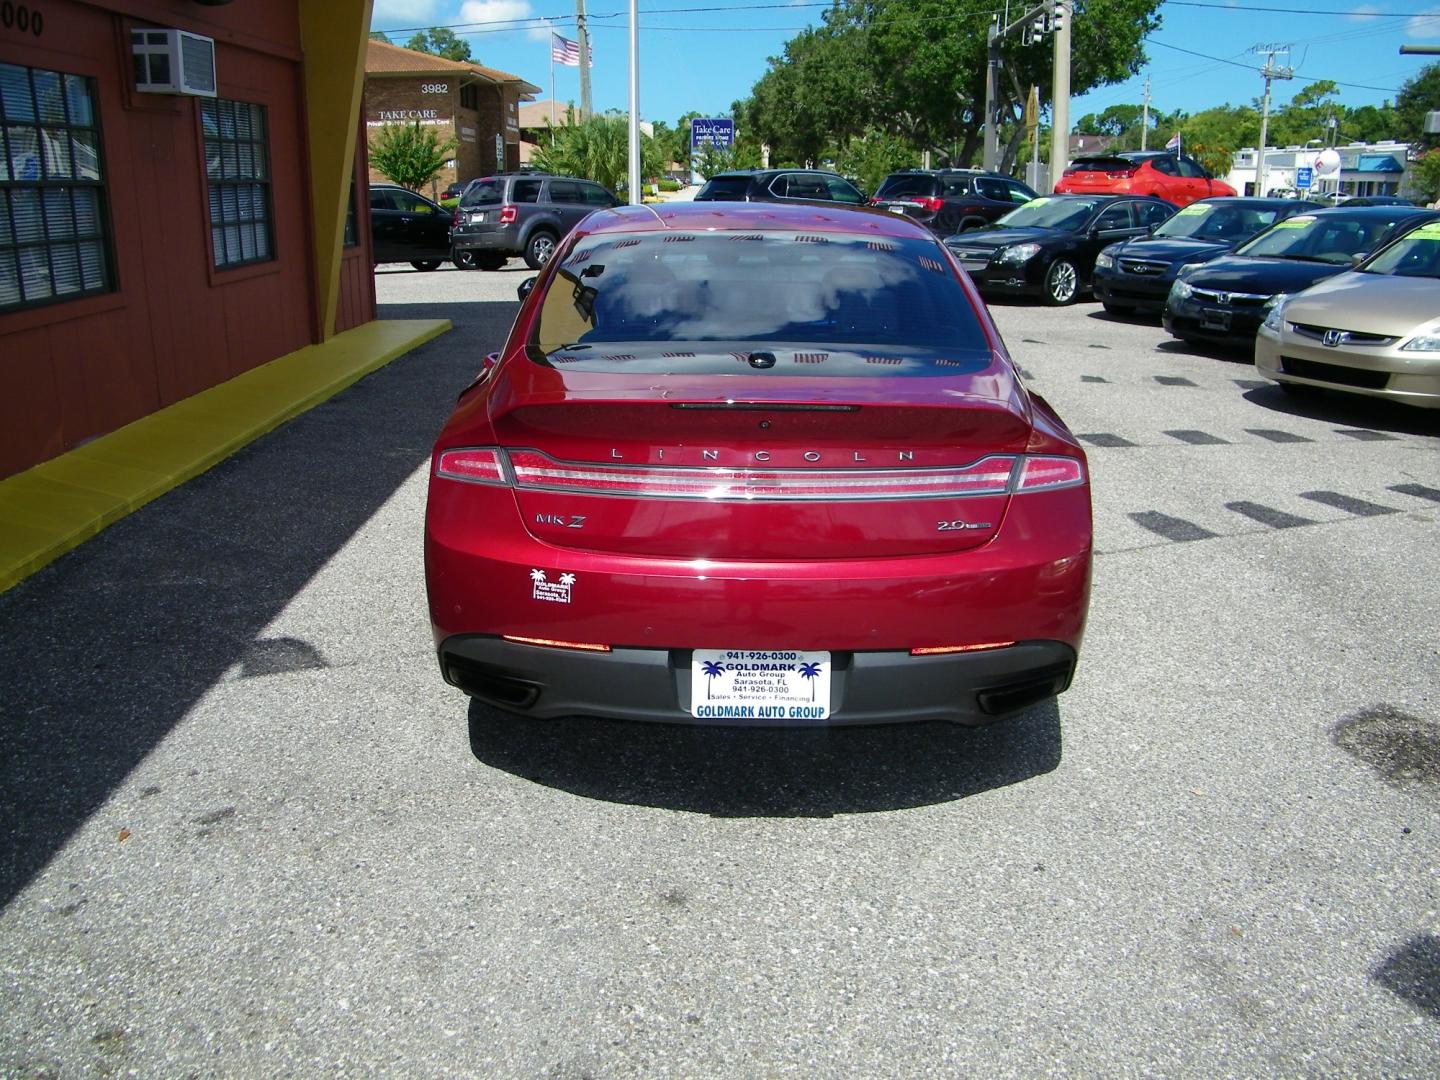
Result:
x=750 y=684
x=896 y=208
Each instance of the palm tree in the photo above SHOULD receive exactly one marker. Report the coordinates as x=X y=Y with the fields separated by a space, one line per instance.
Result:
x=537 y=576
x=567 y=579
x=711 y=669
x=812 y=672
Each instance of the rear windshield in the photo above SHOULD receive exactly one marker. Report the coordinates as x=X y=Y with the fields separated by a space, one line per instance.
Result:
x=725 y=189
x=1048 y=213
x=1100 y=164
x=483 y=192
x=831 y=304
x=1224 y=222
x=1326 y=237
x=898 y=187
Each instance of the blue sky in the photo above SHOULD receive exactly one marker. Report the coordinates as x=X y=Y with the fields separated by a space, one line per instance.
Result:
x=703 y=60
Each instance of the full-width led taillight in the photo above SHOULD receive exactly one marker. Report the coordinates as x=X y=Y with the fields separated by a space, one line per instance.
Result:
x=508 y=214
x=989 y=476
x=1121 y=174
x=533 y=470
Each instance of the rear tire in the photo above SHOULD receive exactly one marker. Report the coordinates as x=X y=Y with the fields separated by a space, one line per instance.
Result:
x=465 y=260
x=1062 y=283
x=539 y=248
x=426 y=264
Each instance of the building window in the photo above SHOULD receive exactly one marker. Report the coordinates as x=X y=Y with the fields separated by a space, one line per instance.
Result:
x=350 y=238
x=53 y=240
x=238 y=167
x=469 y=97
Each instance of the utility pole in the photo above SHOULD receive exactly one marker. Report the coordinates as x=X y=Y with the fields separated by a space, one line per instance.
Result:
x=1270 y=71
x=1059 y=21
x=1145 y=115
x=1046 y=17
x=584 y=35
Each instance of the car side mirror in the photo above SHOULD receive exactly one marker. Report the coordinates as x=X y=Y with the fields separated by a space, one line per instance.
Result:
x=1359 y=257
x=525 y=287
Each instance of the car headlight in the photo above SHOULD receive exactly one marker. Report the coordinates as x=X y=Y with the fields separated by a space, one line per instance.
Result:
x=1180 y=291
x=1104 y=261
x=1423 y=343
x=1019 y=253
x=1275 y=312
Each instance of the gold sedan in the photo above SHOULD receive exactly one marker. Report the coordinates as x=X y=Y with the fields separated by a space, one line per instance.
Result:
x=1374 y=330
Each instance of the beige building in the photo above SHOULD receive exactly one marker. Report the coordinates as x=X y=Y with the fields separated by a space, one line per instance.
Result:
x=477 y=106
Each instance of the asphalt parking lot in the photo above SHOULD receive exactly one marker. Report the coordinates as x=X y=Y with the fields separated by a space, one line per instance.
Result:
x=249 y=832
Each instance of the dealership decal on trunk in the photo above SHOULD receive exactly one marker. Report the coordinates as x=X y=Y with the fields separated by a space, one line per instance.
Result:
x=556 y=592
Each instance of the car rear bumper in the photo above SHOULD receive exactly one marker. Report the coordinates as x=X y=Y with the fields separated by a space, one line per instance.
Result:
x=655 y=684
x=483 y=238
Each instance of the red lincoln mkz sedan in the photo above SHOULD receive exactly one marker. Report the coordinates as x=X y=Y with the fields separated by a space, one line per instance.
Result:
x=756 y=464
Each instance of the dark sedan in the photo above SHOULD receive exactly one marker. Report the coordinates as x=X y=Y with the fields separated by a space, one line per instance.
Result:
x=1136 y=275
x=1227 y=299
x=1048 y=246
x=406 y=227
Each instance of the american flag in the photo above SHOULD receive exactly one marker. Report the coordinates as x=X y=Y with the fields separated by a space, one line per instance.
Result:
x=567 y=52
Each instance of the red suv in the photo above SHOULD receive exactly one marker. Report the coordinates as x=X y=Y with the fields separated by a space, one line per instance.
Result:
x=1172 y=177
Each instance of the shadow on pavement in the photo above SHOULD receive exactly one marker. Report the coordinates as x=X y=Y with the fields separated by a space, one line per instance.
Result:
x=769 y=772
x=104 y=651
x=1351 y=410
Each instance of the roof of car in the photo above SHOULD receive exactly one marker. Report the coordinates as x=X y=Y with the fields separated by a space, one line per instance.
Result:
x=722 y=216
x=1370 y=211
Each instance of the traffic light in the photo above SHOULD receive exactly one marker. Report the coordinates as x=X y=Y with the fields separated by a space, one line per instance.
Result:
x=1056 y=17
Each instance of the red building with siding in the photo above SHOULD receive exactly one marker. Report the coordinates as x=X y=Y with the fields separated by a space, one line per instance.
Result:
x=157 y=242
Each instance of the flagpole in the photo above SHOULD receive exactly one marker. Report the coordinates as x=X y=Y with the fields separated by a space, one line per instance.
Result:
x=552 y=86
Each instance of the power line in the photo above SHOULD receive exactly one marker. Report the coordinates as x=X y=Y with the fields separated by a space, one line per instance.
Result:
x=1252 y=67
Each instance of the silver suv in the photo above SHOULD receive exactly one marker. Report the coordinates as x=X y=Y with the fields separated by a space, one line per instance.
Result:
x=525 y=214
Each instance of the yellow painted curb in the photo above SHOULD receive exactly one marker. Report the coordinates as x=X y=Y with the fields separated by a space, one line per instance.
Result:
x=59 y=504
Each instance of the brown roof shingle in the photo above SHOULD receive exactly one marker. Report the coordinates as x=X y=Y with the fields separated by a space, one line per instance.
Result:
x=382 y=58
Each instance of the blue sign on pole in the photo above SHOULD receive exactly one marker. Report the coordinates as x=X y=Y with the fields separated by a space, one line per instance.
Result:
x=716 y=131
x=1304 y=177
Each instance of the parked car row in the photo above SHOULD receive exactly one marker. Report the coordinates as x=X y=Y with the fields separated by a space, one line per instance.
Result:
x=1343 y=298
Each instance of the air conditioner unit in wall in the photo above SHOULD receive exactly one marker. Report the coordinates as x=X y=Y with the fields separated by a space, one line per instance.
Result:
x=173 y=62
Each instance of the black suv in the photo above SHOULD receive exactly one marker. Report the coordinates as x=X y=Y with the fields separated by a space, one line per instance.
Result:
x=525 y=214
x=780 y=185
x=951 y=200
x=406 y=227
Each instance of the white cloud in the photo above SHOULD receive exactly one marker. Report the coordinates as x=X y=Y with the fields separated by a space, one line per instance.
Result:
x=1363 y=13
x=402 y=12
x=1424 y=26
x=503 y=12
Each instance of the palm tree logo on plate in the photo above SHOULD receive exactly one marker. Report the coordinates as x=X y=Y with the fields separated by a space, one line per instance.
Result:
x=710 y=669
x=537 y=576
x=811 y=672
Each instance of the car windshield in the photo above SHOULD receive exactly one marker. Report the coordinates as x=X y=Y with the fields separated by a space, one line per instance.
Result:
x=1326 y=237
x=1417 y=254
x=483 y=193
x=1224 y=222
x=856 y=305
x=1048 y=213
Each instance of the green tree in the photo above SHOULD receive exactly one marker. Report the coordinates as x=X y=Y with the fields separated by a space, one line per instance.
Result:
x=1418 y=95
x=1425 y=176
x=915 y=69
x=598 y=149
x=438 y=41
x=1215 y=134
x=874 y=156
x=379 y=35
x=409 y=154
